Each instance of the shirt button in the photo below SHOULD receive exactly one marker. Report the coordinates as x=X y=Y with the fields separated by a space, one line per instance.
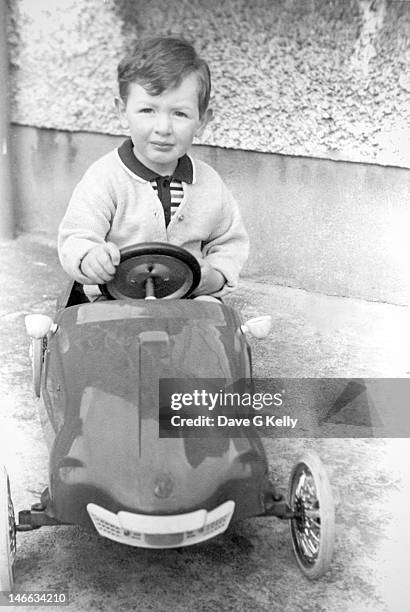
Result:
x=181 y=217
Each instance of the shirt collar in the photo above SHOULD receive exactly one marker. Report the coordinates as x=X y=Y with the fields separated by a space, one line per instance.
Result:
x=183 y=172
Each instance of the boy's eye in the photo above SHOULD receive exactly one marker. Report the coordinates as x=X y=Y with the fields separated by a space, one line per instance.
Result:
x=146 y=110
x=180 y=114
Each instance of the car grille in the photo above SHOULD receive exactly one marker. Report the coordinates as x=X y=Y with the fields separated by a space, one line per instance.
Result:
x=167 y=531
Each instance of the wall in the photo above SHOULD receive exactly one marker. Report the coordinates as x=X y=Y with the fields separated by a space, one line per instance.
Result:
x=298 y=84
x=334 y=227
x=322 y=78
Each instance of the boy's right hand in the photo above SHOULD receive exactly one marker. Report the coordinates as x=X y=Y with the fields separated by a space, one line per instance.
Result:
x=99 y=264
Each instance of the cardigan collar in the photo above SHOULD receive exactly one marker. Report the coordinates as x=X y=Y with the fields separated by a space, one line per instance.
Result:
x=183 y=172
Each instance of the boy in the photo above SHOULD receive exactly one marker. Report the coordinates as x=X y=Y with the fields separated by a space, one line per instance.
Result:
x=149 y=189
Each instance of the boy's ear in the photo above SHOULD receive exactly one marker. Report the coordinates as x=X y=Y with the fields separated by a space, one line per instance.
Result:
x=120 y=106
x=204 y=120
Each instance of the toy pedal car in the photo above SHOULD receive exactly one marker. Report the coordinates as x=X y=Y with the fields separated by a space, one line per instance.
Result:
x=96 y=368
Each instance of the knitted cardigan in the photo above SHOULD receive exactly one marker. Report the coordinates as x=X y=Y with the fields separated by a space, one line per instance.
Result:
x=112 y=203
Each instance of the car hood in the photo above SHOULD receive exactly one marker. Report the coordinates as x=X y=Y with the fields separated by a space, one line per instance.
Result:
x=104 y=366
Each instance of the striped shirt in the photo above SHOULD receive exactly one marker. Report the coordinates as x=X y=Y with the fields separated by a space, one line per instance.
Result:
x=169 y=189
x=170 y=192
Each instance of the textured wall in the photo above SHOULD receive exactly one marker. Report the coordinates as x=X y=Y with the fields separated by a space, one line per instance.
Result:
x=301 y=77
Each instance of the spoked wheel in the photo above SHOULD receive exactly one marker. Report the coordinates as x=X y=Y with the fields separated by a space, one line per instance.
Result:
x=7 y=534
x=313 y=531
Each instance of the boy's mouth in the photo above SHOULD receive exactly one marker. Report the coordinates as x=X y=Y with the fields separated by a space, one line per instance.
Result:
x=162 y=145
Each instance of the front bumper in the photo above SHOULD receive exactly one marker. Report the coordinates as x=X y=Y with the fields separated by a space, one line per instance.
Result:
x=167 y=531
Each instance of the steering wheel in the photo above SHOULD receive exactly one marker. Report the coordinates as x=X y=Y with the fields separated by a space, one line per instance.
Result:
x=154 y=270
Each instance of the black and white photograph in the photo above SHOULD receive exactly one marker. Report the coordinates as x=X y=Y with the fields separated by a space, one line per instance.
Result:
x=205 y=305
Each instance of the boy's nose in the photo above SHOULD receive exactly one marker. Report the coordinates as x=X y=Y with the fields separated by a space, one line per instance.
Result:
x=163 y=124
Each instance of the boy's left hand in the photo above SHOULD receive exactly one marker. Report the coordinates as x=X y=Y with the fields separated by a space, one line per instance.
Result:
x=211 y=280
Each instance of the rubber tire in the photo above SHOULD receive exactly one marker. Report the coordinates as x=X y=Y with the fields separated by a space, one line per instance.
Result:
x=327 y=516
x=37 y=363
x=7 y=525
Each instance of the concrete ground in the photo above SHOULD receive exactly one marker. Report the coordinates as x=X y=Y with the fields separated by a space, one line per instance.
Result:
x=313 y=335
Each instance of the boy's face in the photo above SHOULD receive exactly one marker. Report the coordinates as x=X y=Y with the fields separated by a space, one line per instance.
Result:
x=163 y=126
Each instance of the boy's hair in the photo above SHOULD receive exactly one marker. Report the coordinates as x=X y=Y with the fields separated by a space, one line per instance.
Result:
x=161 y=63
